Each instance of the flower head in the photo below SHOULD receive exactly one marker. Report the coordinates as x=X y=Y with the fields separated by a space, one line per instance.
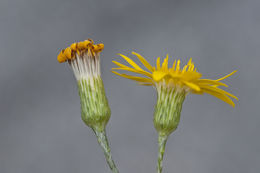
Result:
x=84 y=59
x=187 y=79
x=172 y=85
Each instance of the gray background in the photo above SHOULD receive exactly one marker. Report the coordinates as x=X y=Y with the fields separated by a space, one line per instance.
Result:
x=40 y=126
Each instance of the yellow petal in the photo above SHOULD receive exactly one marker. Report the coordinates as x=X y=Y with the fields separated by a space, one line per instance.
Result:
x=190 y=61
x=215 y=89
x=219 y=96
x=158 y=63
x=135 y=71
x=178 y=65
x=165 y=63
x=131 y=62
x=210 y=82
x=226 y=76
x=143 y=60
x=191 y=65
x=192 y=86
x=135 y=78
x=120 y=65
x=158 y=75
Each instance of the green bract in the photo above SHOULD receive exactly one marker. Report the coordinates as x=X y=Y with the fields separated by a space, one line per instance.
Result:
x=168 y=109
x=95 y=111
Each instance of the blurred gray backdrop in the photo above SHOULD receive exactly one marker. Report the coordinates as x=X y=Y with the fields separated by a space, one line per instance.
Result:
x=40 y=125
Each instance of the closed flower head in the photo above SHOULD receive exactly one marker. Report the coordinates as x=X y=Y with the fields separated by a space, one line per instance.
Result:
x=84 y=59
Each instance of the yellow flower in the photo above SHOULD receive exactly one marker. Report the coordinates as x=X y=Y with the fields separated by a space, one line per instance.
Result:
x=187 y=79
x=172 y=85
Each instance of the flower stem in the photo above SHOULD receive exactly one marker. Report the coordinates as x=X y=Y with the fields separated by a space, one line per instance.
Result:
x=102 y=140
x=162 y=139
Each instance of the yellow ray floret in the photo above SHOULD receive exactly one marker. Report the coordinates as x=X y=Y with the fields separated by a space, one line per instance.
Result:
x=79 y=48
x=187 y=78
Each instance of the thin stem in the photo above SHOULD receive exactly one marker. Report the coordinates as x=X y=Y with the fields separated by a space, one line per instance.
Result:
x=102 y=140
x=162 y=139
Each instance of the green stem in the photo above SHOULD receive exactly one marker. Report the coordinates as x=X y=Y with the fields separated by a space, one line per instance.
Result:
x=162 y=139
x=102 y=140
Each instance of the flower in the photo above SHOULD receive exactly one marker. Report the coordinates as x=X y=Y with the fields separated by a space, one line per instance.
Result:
x=84 y=59
x=172 y=85
x=187 y=79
